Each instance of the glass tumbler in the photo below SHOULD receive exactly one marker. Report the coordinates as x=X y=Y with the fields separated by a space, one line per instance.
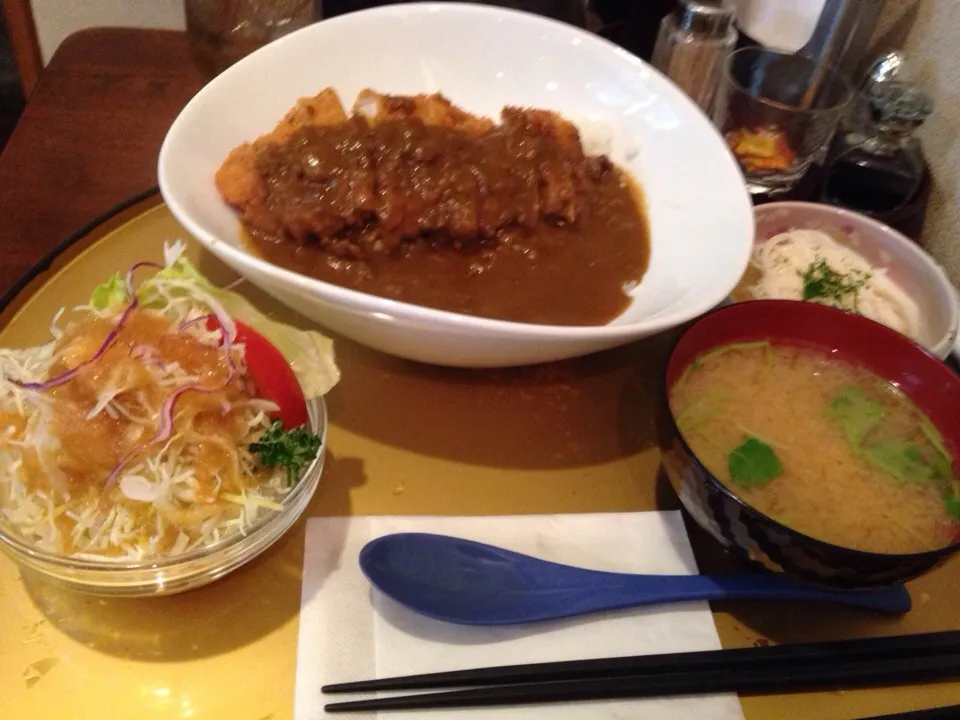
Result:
x=221 y=32
x=778 y=113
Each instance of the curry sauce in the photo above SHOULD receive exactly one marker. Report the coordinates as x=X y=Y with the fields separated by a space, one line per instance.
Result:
x=552 y=275
x=425 y=204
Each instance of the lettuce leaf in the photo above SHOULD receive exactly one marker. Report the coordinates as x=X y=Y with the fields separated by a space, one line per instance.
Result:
x=109 y=293
x=309 y=353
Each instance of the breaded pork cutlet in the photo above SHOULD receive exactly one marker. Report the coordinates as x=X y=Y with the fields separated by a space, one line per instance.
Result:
x=401 y=168
x=240 y=182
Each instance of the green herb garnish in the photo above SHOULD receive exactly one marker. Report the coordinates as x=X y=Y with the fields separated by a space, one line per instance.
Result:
x=953 y=504
x=936 y=439
x=900 y=459
x=290 y=449
x=822 y=282
x=699 y=411
x=857 y=413
x=753 y=464
x=694 y=420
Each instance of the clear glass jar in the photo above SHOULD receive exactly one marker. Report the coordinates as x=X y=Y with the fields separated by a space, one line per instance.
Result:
x=221 y=32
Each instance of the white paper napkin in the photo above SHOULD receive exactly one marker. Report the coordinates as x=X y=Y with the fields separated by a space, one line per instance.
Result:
x=350 y=632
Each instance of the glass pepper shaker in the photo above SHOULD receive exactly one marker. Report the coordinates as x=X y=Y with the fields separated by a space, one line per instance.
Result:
x=879 y=169
x=693 y=45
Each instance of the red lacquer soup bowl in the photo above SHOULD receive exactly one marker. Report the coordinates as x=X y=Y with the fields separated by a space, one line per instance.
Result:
x=850 y=338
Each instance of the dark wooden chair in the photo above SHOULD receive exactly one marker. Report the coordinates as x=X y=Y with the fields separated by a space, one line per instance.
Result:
x=23 y=41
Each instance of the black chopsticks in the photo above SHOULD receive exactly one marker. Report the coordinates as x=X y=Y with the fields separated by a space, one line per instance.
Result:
x=852 y=663
x=763 y=657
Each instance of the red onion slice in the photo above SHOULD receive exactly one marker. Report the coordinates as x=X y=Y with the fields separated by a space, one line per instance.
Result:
x=196 y=320
x=128 y=279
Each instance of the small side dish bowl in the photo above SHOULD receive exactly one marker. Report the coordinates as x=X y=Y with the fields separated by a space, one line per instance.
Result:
x=190 y=570
x=905 y=263
x=846 y=337
x=482 y=59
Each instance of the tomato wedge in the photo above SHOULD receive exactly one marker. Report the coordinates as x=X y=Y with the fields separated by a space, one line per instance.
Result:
x=273 y=376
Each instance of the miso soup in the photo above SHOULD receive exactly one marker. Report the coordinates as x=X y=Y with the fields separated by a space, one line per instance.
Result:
x=822 y=446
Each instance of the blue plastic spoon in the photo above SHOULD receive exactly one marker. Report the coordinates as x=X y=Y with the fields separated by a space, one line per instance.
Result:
x=469 y=583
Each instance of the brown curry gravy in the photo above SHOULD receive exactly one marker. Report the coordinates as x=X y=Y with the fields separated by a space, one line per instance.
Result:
x=565 y=256
x=560 y=276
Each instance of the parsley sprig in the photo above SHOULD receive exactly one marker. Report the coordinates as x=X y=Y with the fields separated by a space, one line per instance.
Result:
x=289 y=449
x=822 y=282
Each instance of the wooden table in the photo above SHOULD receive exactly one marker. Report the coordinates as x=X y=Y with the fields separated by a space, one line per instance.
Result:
x=89 y=140
x=89 y=136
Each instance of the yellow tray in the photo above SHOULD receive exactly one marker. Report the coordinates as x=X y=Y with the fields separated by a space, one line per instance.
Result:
x=576 y=436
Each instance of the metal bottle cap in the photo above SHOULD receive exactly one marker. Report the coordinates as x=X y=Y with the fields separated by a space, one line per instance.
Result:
x=705 y=17
x=887 y=67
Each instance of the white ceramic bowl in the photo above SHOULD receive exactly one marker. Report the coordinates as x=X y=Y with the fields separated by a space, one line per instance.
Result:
x=482 y=58
x=918 y=274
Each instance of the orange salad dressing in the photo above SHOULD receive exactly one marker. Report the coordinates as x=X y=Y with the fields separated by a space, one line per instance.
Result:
x=209 y=424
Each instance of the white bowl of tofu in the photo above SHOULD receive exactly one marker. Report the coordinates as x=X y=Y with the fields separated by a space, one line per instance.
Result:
x=448 y=183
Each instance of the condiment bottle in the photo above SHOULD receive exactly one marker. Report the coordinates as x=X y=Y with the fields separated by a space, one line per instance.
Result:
x=693 y=45
x=881 y=171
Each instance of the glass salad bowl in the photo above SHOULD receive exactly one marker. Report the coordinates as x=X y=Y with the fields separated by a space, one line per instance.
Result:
x=192 y=569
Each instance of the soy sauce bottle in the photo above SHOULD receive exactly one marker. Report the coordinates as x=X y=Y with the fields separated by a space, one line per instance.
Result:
x=881 y=170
